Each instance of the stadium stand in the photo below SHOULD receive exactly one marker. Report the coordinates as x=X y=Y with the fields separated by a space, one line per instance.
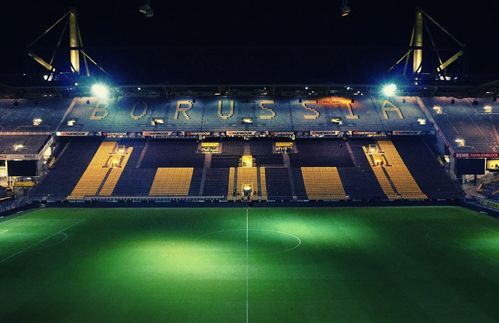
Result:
x=392 y=173
x=323 y=183
x=36 y=116
x=360 y=182
x=462 y=119
x=135 y=181
x=233 y=148
x=93 y=177
x=386 y=185
x=398 y=173
x=172 y=182
x=247 y=176
x=327 y=136
x=422 y=162
x=278 y=184
x=218 y=115
x=410 y=171
x=216 y=183
x=259 y=147
x=262 y=185
x=222 y=161
x=67 y=170
x=172 y=153
x=299 y=185
x=114 y=175
x=196 y=180
x=321 y=152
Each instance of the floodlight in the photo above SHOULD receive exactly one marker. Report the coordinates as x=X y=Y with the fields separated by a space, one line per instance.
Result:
x=37 y=122
x=146 y=9
x=337 y=121
x=389 y=90
x=422 y=121
x=460 y=142
x=437 y=109
x=100 y=91
x=18 y=147
x=247 y=120
x=345 y=8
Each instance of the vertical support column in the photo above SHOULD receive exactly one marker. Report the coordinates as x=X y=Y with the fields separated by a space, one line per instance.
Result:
x=73 y=42
x=417 y=65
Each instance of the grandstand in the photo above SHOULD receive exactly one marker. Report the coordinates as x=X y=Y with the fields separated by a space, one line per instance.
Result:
x=292 y=147
x=354 y=176
x=210 y=114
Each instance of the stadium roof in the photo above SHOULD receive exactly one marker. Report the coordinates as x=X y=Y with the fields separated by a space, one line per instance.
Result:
x=26 y=145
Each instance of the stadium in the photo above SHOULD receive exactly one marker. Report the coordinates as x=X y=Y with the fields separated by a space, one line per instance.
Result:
x=238 y=202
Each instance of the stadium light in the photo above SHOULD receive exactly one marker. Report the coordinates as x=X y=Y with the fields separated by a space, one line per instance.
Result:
x=100 y=91
x=18 y=147
x=146 y=9
x=389 y=90
x=460 y=142
x=345 y=8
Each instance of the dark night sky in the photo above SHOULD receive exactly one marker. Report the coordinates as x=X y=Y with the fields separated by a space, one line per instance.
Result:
x=250 y=40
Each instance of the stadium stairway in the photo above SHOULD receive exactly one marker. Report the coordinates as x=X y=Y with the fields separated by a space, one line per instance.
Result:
x=239 y=177
x=247 y=176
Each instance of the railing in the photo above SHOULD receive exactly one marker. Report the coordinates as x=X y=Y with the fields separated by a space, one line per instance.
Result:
x=157 y=199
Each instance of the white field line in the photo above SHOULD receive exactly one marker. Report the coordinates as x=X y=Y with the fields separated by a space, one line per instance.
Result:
x=39 y=242
x=247 y=265
x=13 y=217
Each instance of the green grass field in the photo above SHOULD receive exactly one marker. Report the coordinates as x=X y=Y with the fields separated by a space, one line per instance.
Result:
x=399 y=264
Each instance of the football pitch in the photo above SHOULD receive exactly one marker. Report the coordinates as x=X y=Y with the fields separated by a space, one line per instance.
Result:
x=384 y=264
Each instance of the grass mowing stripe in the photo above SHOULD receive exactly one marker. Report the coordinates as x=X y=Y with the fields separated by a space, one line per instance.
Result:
x=39 y=242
